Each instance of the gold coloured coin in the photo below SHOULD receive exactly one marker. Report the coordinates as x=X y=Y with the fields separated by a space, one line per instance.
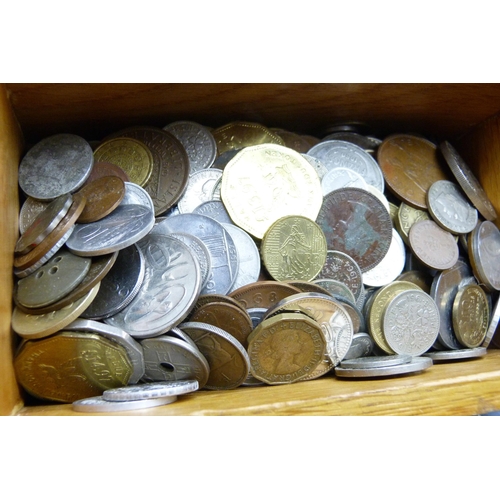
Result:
x=406 y=217
x=263 y=183
x=133 y=156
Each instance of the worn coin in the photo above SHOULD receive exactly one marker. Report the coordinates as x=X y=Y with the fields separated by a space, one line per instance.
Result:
x=484 y=251
x=293 y=140
x=105 y=168
x=457 y=354
x=341 y=177
x=136 y=195
x=377 y=361
x=199 y=189
x=98 y=404
x=361 y=346
x=407 y=216
x=262 y=294
x=368 y=143
x=318 y=166
x=417 y=364
x=495 y=319
x=215 y=209
x=420 y=278
x=151 y=390
x=336 y=288
x=30 y=210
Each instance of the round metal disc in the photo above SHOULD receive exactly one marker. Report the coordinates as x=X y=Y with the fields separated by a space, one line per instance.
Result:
x=99 y=405
x=151 y=390
x=415 y=365
x=457 y=354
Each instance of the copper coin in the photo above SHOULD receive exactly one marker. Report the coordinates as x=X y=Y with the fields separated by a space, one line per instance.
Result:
x=215 y=297
x=263 y=293
x=293 y=140
x=232 y=319
x=356 y=223
x=410 y=165
x=103 y=196
x=24 y=261
x=105 y=168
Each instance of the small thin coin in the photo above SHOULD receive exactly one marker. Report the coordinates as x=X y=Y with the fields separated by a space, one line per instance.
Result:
x=99 y=405
x=417 y=364
x=152 y=390
x=456 y=354
x=377 y=361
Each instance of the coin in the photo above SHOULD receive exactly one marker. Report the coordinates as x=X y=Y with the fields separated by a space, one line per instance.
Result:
x=215 y=209
x=338 y=178
x=30 y=210
x=361 y=346
x=377 y=361
x=318 y=166
x=136 y=195
x=293 y=140
x=423 y=280
x=99 y=405
x=356 y=223
x=495 y=319
x=198 y=190
x=56 y=165
x=105 y=168
x=417 y=364
x=368 y=143
x=133 y=156
x=152 y=390
x=484 y=250
x=293 y=247
x=457 y=354
x=262 y=294
x=336 y=288
x=263 y=183
x=410 y=165
x=407 y=216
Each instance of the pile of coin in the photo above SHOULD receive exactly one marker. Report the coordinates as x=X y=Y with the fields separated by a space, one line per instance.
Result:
x=246 y=255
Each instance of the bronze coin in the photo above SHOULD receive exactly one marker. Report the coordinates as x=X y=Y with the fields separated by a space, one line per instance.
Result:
x=419 y=278
x=215 y=297
x=105 y=168
x=410 y=165
x=232 y=319
x=356 y=223
x=307 y=286
x=262 y=294
x=103 y=196
x=293 y=140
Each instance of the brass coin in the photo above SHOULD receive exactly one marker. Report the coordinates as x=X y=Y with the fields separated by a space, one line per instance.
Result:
x=69 y=366
x=103 y=196
x=133 y=156
x=263 y=294
x=419 y=278
x=285 y=348
x=410 y=165
x=237 y=135
x=104 y=169
x=294 y=247
x=471 y=316
x=407 y=216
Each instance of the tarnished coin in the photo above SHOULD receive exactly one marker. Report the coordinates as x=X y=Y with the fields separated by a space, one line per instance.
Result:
x=494 y=321
x=411 y=323
x=368 y=143
x=228 y=360
x=263 y=294
x=377 y=361
x=68 y=366
x=133 y=156
x=420 y=278
x=293 y=140
x=46 y=221
x=238 y=135
x=470 y=316
x=417 y=364
x=126 y=225
x=199 y=189
x=223 y=159
x=407 y=216
x=98 y=404
x=104 y=169
x=318 y=166
x=468 y=181
x=450 y=209
x=30 y=210
x=136 y=195
x=215 y=209
x=285 y=348
x=198 y=142
x=433 y=246
x=457 y=354
x=338 y=178
x=356 y=223
x=294 y=247
x=336 y=288
x=410 y=165
x=103 y=196
x=170 y=287
x=169 y=359
x=56 y=165
x=484 y=252
x=361 y=346
x=263 y=183
x=151 y=390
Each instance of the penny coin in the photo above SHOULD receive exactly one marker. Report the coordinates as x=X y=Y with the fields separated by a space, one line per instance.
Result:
x=56 y=165
x=262 y=294
x=215 y=297
x=417 y=364
x=433 y=246
x=104 y=169
x=294 y=247
x=407 y=216
x=99 y=405
x=361 y=346
x=410 y=165
x=133 y=156
x=103 y=196
x=468 y=181
x=30 y=210
x=457 y=354
x=450 y=209
x=484 y=251
x=151 y=390
x=239 y=134
x=471 y=316
x=356 y=223
x=377 y=361
x=285 y=348
x=228 y=360
x=263 y=183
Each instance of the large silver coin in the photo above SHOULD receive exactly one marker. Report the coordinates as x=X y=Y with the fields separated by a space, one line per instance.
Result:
x=99 y=405
x=123 y=227
x=199 y=189
x=133 y=348
x=151 y=390
x=214 y=209
x=30 y=210
x=169 y=290
x=338 y=178
x=220 y=244
x=137 y=195
x=56 y=165
x=377 y=361
x=417 y=364
x=457 y=354
x=321 y=170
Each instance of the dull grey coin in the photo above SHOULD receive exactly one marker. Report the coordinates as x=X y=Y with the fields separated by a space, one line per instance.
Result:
x=338 y=178
x=56 y=165
x=99 y=405
x=361 y=346
x=171 y=286
x=137 y=195
x=377 y=361
x=256 y=314
x=30 y=210
x=495 y=319
x=456 y=354
x=126 y=225
x=417 y=364
x=214 y=209
x=199 y=189
x=321 y=170
x=120 y=286
x=151 y=390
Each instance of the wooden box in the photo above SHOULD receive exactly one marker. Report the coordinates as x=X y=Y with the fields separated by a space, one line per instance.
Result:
x=468 y=115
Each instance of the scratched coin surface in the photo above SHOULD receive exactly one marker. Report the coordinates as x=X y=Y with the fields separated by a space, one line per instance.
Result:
x=356 y=223
x=263 y=183
x=293 y=247
x=56 y=165
x=30 y=210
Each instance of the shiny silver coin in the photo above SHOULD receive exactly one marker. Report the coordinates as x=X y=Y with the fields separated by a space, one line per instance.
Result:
x=133 y=348
x=198 y=190
x=417 y=364
x=169 y=290
x=137 y=195
x=377 y=361
x=179 y=334
x=457 y=354
x=151 y=390
x=338 y=178
x=99 y=405
x=123 y=227
x=214 y=209
x=56 y=165
x=321 y=170
x=361 y=346
x=120 y=286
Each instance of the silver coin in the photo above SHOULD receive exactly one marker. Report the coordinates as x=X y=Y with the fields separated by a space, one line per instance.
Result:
x=476 y=352
x=133 y=348
x=56 y=165
x=450 y=209
x=151 y=390
x=249 y=263
x=485 y=247
x=120 y=286
x=214 y=209
x=321 y=170
x=411 y=323
x=361 y=346
x=179 y=334
x=220 y=244
x=198 y=190
x=343 y=154
x=222 y=160
x=30 y=210
x=336 y=287
x=368 y=143
x=495 y=319
x=256 y=314
x=169 y=359
x=169 y=290
x=417 y=364
x=341 y=177
x=99 y=405
x=123 y=227
x=137 y=195
x=377 y=361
